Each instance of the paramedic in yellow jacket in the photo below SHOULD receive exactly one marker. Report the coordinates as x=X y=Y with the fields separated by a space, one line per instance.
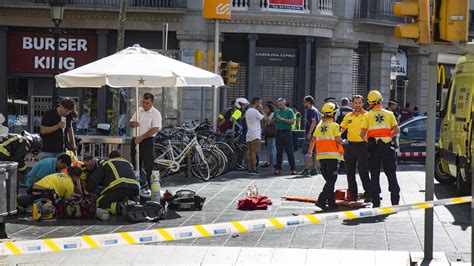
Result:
x=63 y=185
x=328 y=142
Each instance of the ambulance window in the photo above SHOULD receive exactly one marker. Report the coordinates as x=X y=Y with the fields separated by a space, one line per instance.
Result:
x=453 y=99
x=462 y=101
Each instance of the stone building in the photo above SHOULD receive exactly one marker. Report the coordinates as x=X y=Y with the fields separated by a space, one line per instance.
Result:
x=320 y=47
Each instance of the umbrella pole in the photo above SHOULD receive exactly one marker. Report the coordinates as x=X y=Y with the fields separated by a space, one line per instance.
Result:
x=137 y=130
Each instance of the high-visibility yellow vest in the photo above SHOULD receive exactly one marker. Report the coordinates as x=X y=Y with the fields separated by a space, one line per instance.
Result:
x=297 y=123
x=379 y=123
x=326 y=144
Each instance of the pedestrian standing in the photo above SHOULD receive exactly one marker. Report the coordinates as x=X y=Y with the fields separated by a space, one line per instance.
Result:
x=284 y=118
x=393 y=107
x=149 y=123
x=56 y=130
x=296 y=126
x=415 y=111
x=313 y=117
x=328 y=142
x=343 y=111
x=253 y=118
x=379 y=127
x=405 y=113
x=269 y=133
x=340 y=114
x=356 y=154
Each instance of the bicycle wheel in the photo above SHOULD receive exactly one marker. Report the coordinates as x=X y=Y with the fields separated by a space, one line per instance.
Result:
x=241 y=152
x=161 y=153
x=215 y=160
x=199 y=166
x=222 y=160
x=230 y=155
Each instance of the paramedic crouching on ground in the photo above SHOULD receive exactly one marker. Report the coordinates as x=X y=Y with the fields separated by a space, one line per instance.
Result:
x=61 y=184
x=117 y=178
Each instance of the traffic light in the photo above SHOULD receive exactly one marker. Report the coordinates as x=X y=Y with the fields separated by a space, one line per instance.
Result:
x=199 y=58
x=222 y=68
x=210 y=61
x=419 y=29
x=450 y=20
x=232 y=70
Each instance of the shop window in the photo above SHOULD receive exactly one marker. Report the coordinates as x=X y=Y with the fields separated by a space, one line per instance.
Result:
x=18 y=105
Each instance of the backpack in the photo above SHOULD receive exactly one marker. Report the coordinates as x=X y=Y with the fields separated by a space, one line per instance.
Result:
x=149 y=212
x=269 y=131
x=75 y=208
x=186 y=200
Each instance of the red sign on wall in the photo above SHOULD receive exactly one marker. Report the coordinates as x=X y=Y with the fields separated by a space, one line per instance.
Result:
x=286 y=5
x=33 y=52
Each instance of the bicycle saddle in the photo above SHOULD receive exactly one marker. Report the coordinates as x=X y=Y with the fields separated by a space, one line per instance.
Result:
x=163 y=136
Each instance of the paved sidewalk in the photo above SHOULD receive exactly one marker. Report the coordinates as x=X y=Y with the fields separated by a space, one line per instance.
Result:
x=200 y=255
x=397 y=232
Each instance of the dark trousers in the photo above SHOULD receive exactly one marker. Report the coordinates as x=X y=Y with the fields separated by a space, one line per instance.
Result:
x=383 y=154
x=284 y=142
x=146 y=159
x=295 y=140
x=329 y=172
x=110 y=200
x=356 y=154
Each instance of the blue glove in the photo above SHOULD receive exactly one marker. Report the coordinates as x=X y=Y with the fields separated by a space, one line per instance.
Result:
x=345 y=142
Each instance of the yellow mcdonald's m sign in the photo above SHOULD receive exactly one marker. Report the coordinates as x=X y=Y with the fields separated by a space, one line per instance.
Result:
x=441 y=75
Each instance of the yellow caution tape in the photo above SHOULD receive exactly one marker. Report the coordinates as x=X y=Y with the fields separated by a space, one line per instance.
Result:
x=208 y=230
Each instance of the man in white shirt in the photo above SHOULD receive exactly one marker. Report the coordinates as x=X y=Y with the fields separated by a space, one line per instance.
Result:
x=148 y=124
x=253 y=118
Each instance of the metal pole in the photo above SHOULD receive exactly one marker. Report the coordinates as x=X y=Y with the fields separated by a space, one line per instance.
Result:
x=215 y=102
x=165 y=37
x=55 y=100
x=430 y=153
x=137 y=130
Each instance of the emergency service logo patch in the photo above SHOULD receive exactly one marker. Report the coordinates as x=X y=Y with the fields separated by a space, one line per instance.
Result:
x=324 y=129
x=379 y=118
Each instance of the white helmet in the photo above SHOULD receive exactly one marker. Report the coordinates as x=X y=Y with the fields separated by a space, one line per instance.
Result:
x=241 y=102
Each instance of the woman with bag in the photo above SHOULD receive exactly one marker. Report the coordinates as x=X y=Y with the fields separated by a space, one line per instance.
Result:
x=269 y=133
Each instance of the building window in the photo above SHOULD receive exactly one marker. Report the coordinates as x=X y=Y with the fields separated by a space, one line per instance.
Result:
x=361 y=70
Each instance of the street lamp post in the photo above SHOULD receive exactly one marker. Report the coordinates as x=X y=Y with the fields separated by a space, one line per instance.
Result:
x=57 y=12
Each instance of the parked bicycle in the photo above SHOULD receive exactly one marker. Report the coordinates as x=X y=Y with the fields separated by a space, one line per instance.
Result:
x=207 y=153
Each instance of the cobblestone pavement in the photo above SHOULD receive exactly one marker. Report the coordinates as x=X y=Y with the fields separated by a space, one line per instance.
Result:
x=397 y=232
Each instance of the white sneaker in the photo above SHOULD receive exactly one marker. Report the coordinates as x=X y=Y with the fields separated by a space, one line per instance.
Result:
x=102 y=214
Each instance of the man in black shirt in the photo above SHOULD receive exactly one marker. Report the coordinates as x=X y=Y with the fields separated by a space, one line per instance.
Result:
x=56 y=129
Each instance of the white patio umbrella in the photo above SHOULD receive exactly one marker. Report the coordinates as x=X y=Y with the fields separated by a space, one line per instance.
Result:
x=136 y=67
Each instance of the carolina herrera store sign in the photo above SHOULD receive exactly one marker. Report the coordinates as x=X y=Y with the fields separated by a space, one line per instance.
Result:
x=275 y=56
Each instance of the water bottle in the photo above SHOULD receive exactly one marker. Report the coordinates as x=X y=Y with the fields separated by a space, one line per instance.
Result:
x=63 y=119
x=155 y=186
x=255 y=190
x=102 y=214
x=252 y=191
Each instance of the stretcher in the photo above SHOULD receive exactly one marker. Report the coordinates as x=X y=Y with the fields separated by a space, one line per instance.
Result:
x=339 y=202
